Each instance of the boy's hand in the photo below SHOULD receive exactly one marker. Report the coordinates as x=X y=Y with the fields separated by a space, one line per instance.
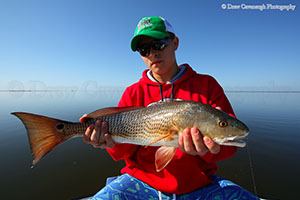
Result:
x=192 y=142
x=97 y=135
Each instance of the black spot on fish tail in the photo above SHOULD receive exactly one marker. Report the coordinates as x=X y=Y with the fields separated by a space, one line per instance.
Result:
x=60 y=126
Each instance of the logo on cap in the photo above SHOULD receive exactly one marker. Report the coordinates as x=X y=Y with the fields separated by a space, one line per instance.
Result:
x=144 y=24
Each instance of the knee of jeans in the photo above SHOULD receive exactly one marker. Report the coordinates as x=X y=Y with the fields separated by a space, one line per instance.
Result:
x=227 y=183
x=110 y=179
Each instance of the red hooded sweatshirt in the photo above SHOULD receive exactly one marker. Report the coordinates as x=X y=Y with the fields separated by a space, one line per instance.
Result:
x=185 y=173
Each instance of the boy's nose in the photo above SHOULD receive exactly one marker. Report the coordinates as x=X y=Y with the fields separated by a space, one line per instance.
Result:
x=153 y=53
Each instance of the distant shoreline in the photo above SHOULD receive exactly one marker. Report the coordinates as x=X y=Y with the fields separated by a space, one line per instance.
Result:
x=261 y=91
x=229 y=91
x=36 y=90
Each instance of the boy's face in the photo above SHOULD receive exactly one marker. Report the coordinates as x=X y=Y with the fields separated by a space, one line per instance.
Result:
x=162 y=61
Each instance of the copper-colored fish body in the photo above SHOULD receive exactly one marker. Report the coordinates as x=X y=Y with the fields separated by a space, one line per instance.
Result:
x=141 y=126
x=157 y=125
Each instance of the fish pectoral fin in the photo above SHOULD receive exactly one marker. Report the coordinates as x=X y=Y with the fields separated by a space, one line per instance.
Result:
x=169 y=136
x=109 y=111
x=163 y=156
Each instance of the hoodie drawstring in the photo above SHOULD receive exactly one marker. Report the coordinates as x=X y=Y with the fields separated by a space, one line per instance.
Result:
x=161 y=92
x=172 y=91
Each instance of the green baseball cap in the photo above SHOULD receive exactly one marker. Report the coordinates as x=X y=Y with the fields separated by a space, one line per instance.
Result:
x=156 y=27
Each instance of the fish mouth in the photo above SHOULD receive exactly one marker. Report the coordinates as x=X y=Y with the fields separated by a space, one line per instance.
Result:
x=232 y=141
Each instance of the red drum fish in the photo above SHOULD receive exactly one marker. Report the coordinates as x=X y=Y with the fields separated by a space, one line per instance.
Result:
x=156 y=125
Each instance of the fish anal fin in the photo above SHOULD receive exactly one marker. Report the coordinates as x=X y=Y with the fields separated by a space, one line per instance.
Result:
x=163 y=156
x=109 y=111
x=168 y=137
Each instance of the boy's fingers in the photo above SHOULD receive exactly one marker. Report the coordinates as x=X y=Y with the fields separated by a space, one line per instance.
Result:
x=95 y=133
x=103 y=131
x=213 y=147
x=87 y=134
x=188 y=142
x=198 y=142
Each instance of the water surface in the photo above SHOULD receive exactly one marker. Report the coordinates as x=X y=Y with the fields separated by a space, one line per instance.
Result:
x=267 y=166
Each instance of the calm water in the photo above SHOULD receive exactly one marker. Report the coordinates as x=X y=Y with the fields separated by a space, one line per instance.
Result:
x=268 y=165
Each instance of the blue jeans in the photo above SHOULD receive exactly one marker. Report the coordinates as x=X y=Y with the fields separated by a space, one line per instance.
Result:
x=127 y=187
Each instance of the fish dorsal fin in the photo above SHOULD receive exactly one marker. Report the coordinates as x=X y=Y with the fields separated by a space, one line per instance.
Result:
x=155 y=103
x=109 y=111
x=163 y=156
x=164 y=101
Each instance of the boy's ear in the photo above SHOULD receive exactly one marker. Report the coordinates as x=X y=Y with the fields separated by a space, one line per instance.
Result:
x=176 y=43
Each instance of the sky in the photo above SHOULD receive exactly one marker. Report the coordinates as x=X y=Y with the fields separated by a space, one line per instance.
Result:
x=53 y=44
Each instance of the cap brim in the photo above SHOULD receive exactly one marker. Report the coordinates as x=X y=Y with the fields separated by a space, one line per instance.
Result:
x=154 y=34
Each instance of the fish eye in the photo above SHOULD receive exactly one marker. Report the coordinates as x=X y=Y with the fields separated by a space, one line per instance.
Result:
x=223 y=123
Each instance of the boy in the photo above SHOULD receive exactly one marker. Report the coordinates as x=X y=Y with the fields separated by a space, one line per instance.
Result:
x=191 y=173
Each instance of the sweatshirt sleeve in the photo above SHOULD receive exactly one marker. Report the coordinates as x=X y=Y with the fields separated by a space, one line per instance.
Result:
x=123 y=151
x=217 y=98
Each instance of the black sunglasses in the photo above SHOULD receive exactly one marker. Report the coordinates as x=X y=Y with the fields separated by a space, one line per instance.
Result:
x=144 y=49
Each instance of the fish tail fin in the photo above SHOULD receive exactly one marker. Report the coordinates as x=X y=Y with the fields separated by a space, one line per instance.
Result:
x=44 y=133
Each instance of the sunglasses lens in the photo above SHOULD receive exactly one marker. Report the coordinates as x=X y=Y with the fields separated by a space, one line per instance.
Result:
x=144 y=51
x=155 y=45
x=158 y=45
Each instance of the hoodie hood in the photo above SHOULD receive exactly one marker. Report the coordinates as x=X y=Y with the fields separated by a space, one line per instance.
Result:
x=186 y=72
x=183 y=75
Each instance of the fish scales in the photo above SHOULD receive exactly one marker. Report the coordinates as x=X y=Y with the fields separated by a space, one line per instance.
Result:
x=141 y=125
x=157 y=125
